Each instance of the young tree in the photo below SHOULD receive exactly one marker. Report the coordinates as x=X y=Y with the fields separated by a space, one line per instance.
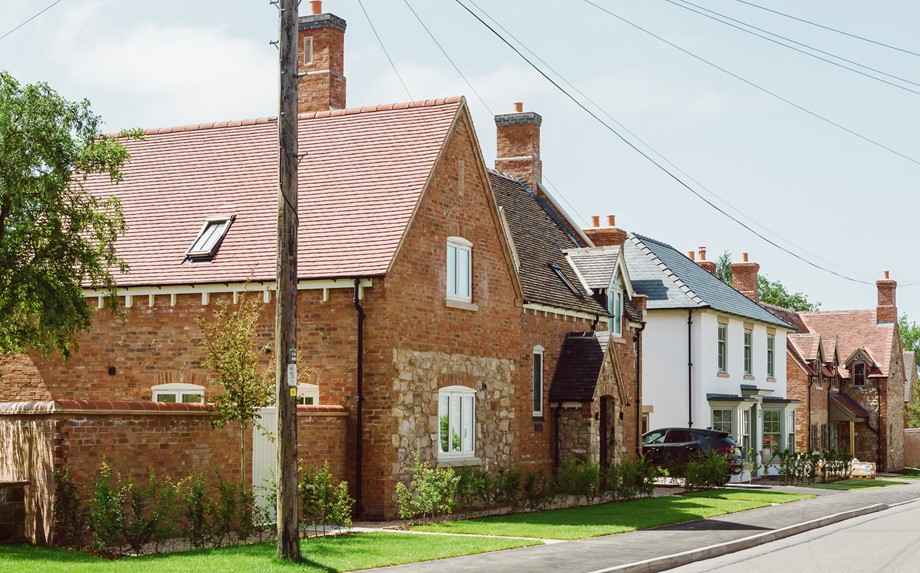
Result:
x=232 y=353
x=910 y=341
x=769 y=292
x=54 y=236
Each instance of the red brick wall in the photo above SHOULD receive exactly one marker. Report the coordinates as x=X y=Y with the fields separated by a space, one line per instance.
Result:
x=322 y=91
x=797 y=389
x=912 y=447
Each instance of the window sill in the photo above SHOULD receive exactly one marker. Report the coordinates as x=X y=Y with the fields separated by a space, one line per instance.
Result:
x=459 y=461
x=462 y=304
x=771 y=379
x=723 y=375
x=537 y=417
x=748 y=377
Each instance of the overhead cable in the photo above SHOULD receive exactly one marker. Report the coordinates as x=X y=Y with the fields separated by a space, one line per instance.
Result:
x=50 y=6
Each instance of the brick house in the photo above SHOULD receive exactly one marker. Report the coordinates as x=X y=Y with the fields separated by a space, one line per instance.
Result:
x=452 y=278
x=850 y=375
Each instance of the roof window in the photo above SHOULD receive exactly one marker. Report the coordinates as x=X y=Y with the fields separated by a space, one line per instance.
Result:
x=558 y=270
x=209 y=238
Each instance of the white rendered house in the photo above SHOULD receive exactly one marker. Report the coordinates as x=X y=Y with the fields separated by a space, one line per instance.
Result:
x=712 y=357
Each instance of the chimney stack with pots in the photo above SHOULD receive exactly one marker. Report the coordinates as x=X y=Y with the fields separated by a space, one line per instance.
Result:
x=887 y=310
x=708 y=265
x=321 y=60
x=744 y=278
x=611 y=235
x=518 y=146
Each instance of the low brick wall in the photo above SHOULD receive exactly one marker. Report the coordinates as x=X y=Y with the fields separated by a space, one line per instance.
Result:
x=912 y=447
x=135 y=438
x=12 y=511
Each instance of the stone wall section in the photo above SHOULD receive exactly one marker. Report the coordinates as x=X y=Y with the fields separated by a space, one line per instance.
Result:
x=892 y=422
x=421 y=375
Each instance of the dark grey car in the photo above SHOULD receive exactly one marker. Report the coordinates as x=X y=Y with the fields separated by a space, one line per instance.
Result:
x=669 y=446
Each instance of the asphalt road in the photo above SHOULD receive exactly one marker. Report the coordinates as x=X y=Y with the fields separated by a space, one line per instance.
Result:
x=888 y=541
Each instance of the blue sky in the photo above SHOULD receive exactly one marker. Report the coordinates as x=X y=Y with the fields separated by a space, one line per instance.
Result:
x=827 y=195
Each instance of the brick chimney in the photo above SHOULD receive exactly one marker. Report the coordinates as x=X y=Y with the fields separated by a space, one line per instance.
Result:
x=708 y=265
x=321 y=58
x=611 y=235
x=518 y=146
x=887 y=310
x=744 y=278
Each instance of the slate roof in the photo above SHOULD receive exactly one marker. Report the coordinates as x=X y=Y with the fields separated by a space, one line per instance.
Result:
x=595 y=264
x=855 y=329
x=360 y=181
x=540 y=240
x=671 y=280
x=579 y=367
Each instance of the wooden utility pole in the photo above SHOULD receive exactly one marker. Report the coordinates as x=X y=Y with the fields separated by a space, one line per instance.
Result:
x=286 y=299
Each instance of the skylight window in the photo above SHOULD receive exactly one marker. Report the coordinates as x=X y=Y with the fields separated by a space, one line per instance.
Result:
x=558 y=270
x=209 y=238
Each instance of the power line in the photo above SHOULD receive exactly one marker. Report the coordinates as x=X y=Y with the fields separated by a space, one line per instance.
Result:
x=648 y=146
x=648 y=157
x=756 y=86
x=822 y=26
x=449 y=59
x=689 y=6
x=385 y=52
x=50 y=6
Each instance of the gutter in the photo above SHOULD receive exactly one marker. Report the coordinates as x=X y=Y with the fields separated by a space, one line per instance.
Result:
x=359 y=311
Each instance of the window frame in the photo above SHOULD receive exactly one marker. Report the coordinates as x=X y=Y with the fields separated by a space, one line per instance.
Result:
x=859 y=368
x=720 y=423
x=722 y=347
x=463 y=398
x=771 y=355
x=778 y=433
x=179 y=391
x=460 y=245
x=538 y=381
x=306 y=392
x=748 y=351
x=308 y=41
x=215 y=239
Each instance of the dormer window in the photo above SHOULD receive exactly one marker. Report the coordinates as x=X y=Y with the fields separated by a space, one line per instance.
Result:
x=859 y=374
x=209 y=238
x=558 y=270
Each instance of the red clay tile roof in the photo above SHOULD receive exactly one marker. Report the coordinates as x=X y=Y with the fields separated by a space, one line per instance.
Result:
x=849 y=406
x=806 y=344
x=786 y=315
x=360 y=181
x=855 y=329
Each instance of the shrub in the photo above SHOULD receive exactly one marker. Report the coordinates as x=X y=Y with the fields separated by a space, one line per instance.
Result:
x=536 y=490
x=431 y=492
x=474 y=488
x=706 y=470
x=125 y=513
x=69 y=511
x=506 y=487
x=196 y=510
x=578 y=478
x=106 y=514
x=322 y=501
x=631 y=477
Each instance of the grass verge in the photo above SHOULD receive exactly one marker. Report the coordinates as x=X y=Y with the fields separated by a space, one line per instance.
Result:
x=912 y=473
x=616 y=517
x=326 y=555
x=851 y=484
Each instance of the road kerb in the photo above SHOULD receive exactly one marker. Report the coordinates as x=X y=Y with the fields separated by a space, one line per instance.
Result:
x=666 y=562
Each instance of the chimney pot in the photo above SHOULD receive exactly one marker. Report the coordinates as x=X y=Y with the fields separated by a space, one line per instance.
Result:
x=595 y=220
x=316 y=6
x=702 y=253
x=692 y=255
x=518 y=107
x=744 y=257
x=611 y=220
x=886 y=275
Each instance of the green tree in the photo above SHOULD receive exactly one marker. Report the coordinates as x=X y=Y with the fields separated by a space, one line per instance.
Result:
x=769 y=292
x=910 y=341
x=232 y=353
x=55 y=238
x=775 y=293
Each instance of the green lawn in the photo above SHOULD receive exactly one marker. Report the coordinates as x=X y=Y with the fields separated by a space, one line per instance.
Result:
x=326 y=555
x=912 y=473
x=851 y=484
x=617 y=517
